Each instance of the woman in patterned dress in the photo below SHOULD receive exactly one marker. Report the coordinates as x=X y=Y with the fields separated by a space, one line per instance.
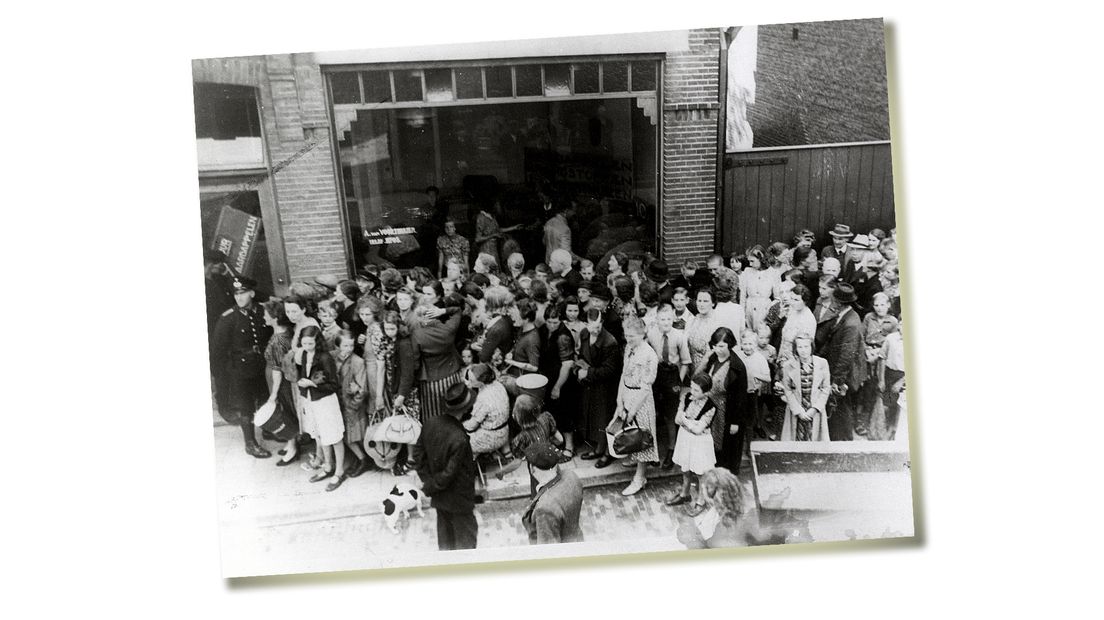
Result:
x=488 y=427
x=700 y=328
x=451 y=245
x=635 y=403
x=280 y=377
x=396 y=354
x=368 y=343
x=806 y=385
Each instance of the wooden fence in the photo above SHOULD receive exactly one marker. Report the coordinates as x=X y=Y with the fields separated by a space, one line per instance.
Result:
x=770 y=194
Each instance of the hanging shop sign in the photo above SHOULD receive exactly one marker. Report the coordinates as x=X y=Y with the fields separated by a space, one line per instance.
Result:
x=236 y=237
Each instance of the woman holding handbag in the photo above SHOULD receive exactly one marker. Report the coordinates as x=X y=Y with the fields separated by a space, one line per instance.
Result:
x=635 y=404
x=400 y=362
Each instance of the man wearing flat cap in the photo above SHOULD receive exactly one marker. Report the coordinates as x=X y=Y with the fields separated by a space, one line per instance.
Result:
x=553 y=515
x=239 y=342
x=446 y=467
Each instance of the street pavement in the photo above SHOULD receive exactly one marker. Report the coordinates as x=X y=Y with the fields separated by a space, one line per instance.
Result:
x=274 y=521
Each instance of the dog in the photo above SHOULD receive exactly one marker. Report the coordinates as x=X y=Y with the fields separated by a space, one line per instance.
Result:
x=398 y=503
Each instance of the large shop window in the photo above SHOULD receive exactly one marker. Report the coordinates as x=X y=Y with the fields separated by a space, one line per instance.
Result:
x=228 y=127
x=502 y=138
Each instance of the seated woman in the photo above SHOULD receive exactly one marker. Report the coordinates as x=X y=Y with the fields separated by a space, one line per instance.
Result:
x=487 y=428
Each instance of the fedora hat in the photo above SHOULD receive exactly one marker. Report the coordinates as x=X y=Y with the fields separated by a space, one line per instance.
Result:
x=864 y=242
x=845 y=293
x=458 y=398
x=657 y=271
x=841 y=231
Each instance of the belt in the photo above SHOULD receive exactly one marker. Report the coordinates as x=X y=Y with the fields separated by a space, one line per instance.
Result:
x=502 y=426
x=632 y=387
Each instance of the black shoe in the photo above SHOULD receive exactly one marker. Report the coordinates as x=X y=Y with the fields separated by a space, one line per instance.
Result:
x=668 y=464
x=336 y=483
x=676 y=500
x=360 y=468
x=254 y=449
x=603 y=461
x=590 y=455
x=285 y=463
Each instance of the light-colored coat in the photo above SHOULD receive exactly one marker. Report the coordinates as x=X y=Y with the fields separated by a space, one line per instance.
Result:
x=818 y=400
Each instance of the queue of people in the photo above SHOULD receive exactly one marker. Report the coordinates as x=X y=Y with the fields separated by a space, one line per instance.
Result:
x=777 y=343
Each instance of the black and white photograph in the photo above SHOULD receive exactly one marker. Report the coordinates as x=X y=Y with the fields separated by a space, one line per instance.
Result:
x=558 y=297
x=551 y=309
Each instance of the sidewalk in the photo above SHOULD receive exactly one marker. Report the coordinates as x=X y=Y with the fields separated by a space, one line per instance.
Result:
x=256 y=492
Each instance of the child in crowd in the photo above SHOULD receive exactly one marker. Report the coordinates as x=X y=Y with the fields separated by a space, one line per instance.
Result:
x=353 y=375
x=542 y=273
x=680 y=300
x=830 y=267
x=586 y=270
x=763 y=333
x=327 y=316
x=694 y=445
x=758 y=378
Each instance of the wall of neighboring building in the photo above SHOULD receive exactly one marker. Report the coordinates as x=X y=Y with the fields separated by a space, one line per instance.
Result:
x=297 y=136
x=820 y=83
x=691 y=126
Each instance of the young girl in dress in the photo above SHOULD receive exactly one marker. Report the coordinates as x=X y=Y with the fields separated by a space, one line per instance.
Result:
x=354 y=398
x=318 y=386
x=694 y=445
x=367 y=347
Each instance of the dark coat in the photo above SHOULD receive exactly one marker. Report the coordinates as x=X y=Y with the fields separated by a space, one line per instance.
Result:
x=435 y=343
x=498 y=336
x=553 y=515
x=239 y=341
x=447 y=466
x=407 y=362
x=323 y=372
x=599 y=388
x=841 y=348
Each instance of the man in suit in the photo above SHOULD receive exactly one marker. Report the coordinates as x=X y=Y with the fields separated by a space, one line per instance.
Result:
x=842 y=345
x=446 y=468
x=674 y=366
x=553 y=515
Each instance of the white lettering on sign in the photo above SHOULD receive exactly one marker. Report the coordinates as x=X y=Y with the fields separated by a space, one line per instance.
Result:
x=247 y=242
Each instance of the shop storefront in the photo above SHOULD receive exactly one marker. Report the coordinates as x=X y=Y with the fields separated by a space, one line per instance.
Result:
x=335 y=158
x=504 y=137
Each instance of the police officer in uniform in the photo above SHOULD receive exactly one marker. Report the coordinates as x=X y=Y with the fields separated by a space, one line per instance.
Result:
x=239 y=342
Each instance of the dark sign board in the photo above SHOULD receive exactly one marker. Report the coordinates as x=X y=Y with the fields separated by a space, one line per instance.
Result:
x=236 y=237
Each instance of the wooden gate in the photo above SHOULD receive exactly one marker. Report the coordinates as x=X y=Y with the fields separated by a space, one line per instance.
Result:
x=770 y=194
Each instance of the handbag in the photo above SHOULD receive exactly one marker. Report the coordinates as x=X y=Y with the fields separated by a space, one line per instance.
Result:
x=398 y=428
x=612 y=429
x=632 y=439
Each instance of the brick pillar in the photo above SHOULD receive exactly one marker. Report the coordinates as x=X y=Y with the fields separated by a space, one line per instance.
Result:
x=691 y=138
x=303 y=171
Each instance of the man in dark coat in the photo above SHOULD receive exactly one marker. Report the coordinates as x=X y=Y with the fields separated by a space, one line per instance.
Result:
x=446 y=467
x=239 y=342
x=553 y=515
x=841 y=347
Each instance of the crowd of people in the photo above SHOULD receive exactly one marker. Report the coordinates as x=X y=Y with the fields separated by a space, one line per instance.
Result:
x=782 y=342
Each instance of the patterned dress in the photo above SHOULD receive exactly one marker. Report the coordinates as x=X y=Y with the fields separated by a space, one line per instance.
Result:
x=487 y=427
x=803 y=429
x=454 y=247
x=635 y=395
x=277 y=358
x=487 y=226
x=698 y=332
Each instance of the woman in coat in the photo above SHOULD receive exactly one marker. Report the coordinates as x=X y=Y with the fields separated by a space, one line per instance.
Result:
x=729 y=394
x=433 y=334
x=806 y=385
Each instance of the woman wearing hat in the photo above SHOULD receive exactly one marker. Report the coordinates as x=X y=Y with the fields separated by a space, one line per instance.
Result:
x=635 y=403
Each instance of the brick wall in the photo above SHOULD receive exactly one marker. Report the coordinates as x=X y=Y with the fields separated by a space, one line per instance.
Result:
x=827 y=85
x=297 y=137
x=691 y=125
